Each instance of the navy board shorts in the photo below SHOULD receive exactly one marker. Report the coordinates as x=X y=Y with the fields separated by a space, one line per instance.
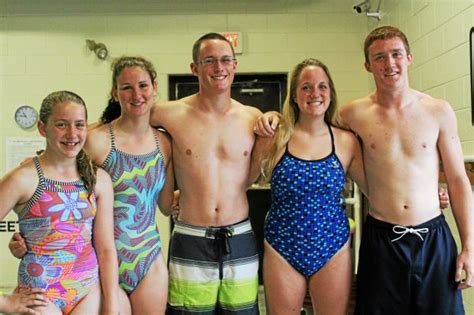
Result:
x=407 y=270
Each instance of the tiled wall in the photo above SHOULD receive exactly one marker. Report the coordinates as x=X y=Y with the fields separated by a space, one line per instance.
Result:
x=438 y=31
x=42 y=48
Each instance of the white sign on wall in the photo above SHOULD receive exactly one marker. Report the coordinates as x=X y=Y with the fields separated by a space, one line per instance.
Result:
x=20 y=148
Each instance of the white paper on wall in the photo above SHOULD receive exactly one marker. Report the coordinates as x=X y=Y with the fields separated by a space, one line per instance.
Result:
x=19 y=148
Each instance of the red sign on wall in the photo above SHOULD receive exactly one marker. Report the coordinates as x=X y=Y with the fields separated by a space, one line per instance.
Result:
x=235 y=38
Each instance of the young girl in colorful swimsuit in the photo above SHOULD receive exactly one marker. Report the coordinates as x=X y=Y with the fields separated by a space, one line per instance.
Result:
x=64 y=206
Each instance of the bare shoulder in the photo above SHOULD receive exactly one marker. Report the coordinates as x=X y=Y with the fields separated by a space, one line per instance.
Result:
x=351 y=112
x=98 y=143
x=356 y=105
x=23 y=179
x=166 y=106
x=344 y=137
x=439 y=109
x=163 y=113
x=101 y=131
x=251 y=112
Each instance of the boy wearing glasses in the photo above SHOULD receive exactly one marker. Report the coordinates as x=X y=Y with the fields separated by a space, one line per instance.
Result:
x=213 y=261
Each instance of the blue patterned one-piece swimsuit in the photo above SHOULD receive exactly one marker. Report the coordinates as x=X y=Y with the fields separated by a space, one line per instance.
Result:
x=137 y=182
x=306 y=223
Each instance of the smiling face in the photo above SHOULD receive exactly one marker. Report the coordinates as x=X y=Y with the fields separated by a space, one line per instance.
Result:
x=135 y=91
x=65 y=129
x=388 y=61
x=219 y=75
x=313 y=93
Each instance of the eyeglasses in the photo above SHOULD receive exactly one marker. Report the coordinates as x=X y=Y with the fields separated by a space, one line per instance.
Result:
x=210 y=61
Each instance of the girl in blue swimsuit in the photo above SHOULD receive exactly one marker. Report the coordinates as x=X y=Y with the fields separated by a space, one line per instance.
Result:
x=306 y=230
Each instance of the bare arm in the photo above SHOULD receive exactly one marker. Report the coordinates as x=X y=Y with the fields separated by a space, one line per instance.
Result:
x=339 y=119
x=262 y=145
x=158 y=114
x=356 y=167
x=98 y=144
x=103 y=236
x=165 y=200
x=459 y=190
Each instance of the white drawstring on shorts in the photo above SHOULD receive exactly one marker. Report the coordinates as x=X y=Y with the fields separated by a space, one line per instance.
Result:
x=403 y=230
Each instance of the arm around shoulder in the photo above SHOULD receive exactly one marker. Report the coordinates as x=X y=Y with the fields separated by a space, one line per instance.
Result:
x=165 y=200
x=98 y=144
x=356 y=167
x=350 y=154
x=161 y=111
x=344 y=115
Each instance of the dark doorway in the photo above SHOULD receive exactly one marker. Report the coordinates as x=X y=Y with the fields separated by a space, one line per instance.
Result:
x=264 y=91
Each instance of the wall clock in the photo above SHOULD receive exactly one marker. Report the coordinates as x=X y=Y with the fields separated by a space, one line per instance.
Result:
x=26 y=116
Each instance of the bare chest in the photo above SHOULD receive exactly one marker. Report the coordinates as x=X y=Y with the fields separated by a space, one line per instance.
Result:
x=211 y=140
x=399 y=136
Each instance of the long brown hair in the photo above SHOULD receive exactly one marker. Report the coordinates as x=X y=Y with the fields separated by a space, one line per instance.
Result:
x=87 y=170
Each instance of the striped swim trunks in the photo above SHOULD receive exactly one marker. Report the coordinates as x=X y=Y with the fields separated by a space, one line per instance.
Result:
x=213 y=269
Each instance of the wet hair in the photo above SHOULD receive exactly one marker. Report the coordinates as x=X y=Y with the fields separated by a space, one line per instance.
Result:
x=113 y=110
x=197 y=44
x=384 y=32
x=87 y=170
x=290 y=114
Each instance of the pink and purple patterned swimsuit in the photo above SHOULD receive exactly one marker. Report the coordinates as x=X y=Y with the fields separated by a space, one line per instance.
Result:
x=57 y=226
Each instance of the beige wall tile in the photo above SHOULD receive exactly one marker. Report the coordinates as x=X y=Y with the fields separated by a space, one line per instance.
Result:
x=12 y=65
x=454 y=32
x=247 y=23
x=428 y=20
x=50 y=65
x=167 y=23
x=277 y=23
x=207 y=23
x=456 y=95
x=266 y=42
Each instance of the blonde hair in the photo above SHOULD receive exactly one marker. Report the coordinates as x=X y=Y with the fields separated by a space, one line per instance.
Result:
x=290 y=115
x=87 y=170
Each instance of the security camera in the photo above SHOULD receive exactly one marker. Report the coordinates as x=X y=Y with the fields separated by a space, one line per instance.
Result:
x=362 y=7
